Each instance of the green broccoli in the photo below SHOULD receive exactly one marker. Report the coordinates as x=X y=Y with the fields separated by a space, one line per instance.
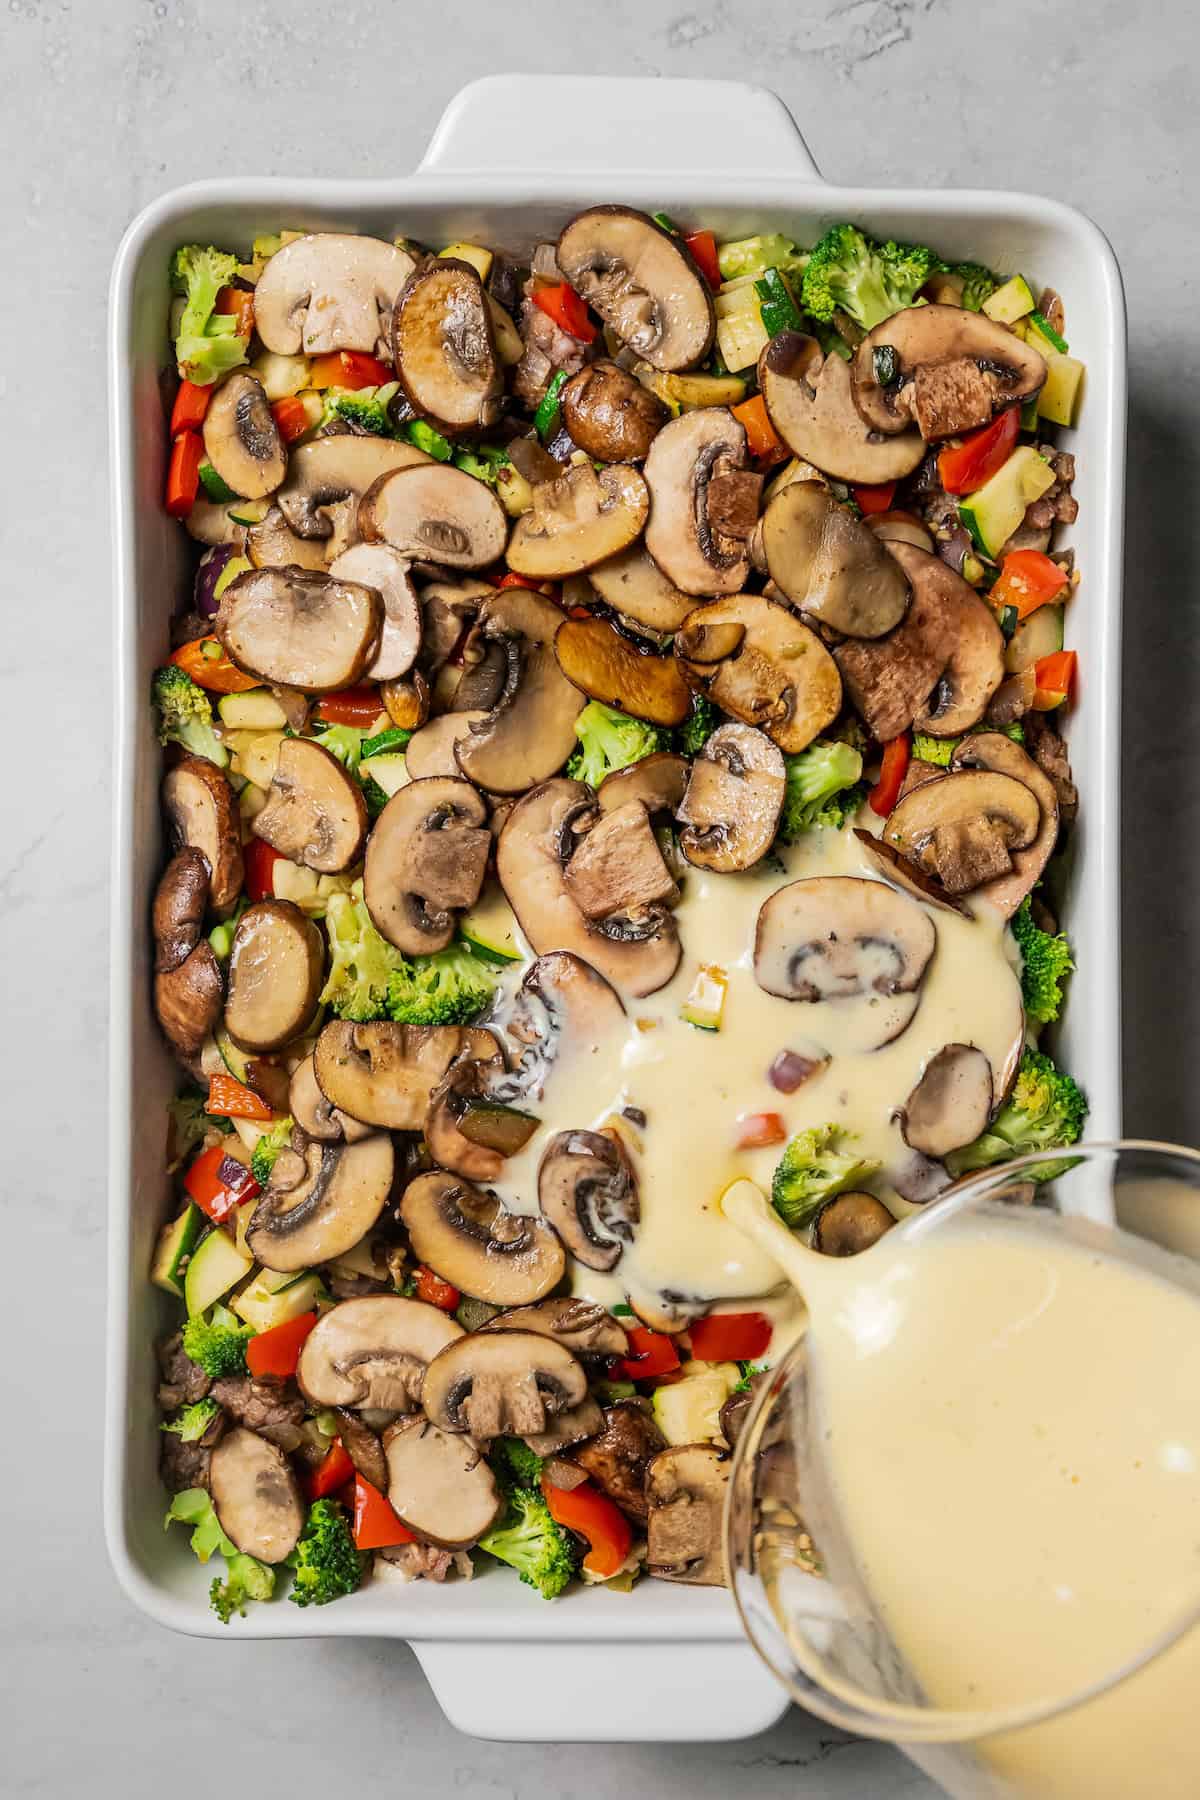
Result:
x=326 y=1562
x=868 y=280
x=1045 y=1111
x=262 y=1157
x=421 y=434
x=699 y=725
x=1045 y=961
x=218 y=1344
x=246 y=1578
x=368 y=979
x=811 y=1170
x=754 y=255
x=185 y=714
x=934 y=750
x=978 y=284
x=514 y=1464
x=609 y=740
x=191 y=1123
x=824 y=788
x=193 y=1421
x=483 y=461
x=206 y=346
x=451 y=987
x=529 y=1541
x=363 y=408
x=343 y=741
x=749 y=1371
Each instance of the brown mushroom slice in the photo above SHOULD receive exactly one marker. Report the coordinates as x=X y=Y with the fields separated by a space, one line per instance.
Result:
x=435 y=513
x=643 y=283
x=315 y=813
x=897 y=869
x=439 y=1485
x=975 y=667
x=209 y=523
x=610 y=414
x=730 y=812
x=241 y=438
x=850 y=1223
x=570 y=1427
x=272 y=544
x=685 y=1497
x=827 y=563
x=839 y=938
x=187 y=998
x=810 y=403
x=636 y=588
x=495 y=1383
x=468 y=1238
x=594 y=656
x=180 y=903
x=426 y=859
x=993 y=750
x=637 y=955
x=202 y=812
x=703 y=502
x=944 y=367
x=965 y=828
x=300 y=629
x=618 y=1456
x=579 y=519
x=316 y=1116
x=444 y=347
x=780 y=678
x=373 y=1352
x=619 y=867
x=317 y=1206
x=331 y=473
x=584 y=1327
x=382 y=1073
x=276 y=968
x=255 y=1495
x=951 y=1103
x=588 y=1192
x=564 y=1009
x=900 y=528
x=380 y=567
x=430 y=751
x=468 y=1130
x=530 y=733
x=658 y=781
x=363 y=1447
x=329 y=290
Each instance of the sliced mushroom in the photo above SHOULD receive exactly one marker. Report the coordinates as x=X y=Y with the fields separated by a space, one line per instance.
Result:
x=241 y=438
x=436 y=513
x=439 y=1485
x=317 y=1206
x=276 y=968
x=531 y=731
x=730 y=812
x=900 y=528
x=827 y=563
x=187 y=998
x=468 y=1238
x=965 y=828
x=906 y=875
x=594 y=656
x=502 y=1382
x=430 y=751
x=255 y=1495
x=944 y=367
x=328 y=477
x=180 y=903
x=685 y=1498
x=658 y=781
x=618 y=866
x=582 y=1326
x=201 y=811
x=468 y=1130
x=315 y=813
x=993 y=750
x=951 y=1103
x=588 y=1192
x=610 y=414
x=643 y=283
x=810 y=403
x=407 y=701
x=703 y=502
x=329 y=291
x=618 y=1457
x=636 y=588
x=579 y=519
x=975 y=667
x=564 y=1008
x=779 y=677
x=363 y=1447
x=373 y=1352
x=300 y=629
x=426 y=860
x=850 y=1223
x=570 y=1427
x=380 y=567
x=638 y=955
x=381 y=1073
x=444 y=347
x=272 y=544
x=316 y=1116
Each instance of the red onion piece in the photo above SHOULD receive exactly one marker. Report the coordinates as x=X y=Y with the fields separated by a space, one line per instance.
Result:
x=208 y=573
x=790 y=1070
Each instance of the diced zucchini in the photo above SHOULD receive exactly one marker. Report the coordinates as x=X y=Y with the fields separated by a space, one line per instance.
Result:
x=1040 y=333
x=480 y=259
x=234 y=1059
x=777 y=303
x=689 y=1411
x=513 y=491
x=684 y=393
x=291 y=881
x=237 y=565
x=249 y=512
x=264 y=1307
x=176 y=1242
x=510 y=345
x=992 y=513
x=214 y=485
x=254 y=754
x=281 y=376
x=256 y=710
x=1010 y=302
x=490 y=927
x=741 y=334
x=1059 y=397
x=1041 y=634
x=390 y=772
x=251 y=800
x=706 y=1000
x=213 y=1268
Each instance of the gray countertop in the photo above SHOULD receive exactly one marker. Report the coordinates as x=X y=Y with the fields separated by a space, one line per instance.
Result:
x=106 y=105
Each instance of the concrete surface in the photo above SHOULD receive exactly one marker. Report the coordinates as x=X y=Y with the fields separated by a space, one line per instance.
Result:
x=107 y=104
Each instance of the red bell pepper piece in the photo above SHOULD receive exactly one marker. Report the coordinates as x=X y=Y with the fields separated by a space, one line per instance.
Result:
x=1054 y=677
x=183 y=473
x=357 y=706
x=231 y=1099
x=259 y=859
x=703 y=246
x=239 y=302
x=1027 y=580
x=756 y=1131
x=276 y=1352
x=966 y=466
x=877 y=499
x=219 y=1183
x=376 y=1524
x=595 y=1517
x=291 y=416
x=332 y=1474
x=209 y=667
x=348 y=369
x=562 y=304
x=653 y=1354
x=886 y=792
x=191 y=404
x=730 y=1337
x=762 y=440
x=436 y=1292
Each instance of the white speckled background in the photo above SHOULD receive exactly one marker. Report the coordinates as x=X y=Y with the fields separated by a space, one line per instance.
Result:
x=104 y=105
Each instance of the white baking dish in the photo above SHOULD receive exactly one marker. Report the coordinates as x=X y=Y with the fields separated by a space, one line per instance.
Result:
x=665 y=1662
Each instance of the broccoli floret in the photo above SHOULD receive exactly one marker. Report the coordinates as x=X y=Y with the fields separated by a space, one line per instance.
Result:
x=205 y=347
x=262 y=1157
x=190 y=1122
x=368 y=979
x=343 y=741
x=934 y=750
x=754 y=255
x=451 y=987
x=1045 y=961
x=246 y=1578
x=363 y=408
x=749 y=1371
x=185 y=714
x=867 y=280
x=193 y=1421
x=1045 y=1111
x=811 y=1170
x=824 y=788
x=326 y=1562
x=483 y=461
x=609 y=740
x=699 y=725
x=529 y=1541
x=978 y=283
x=216 y=1344
x=514 y=1464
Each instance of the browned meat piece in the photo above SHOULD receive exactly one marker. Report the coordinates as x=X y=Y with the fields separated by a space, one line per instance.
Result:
x=1051 y=308
x=733 y=503
x=970 y=852
x=416 y=1561
x=272 y=1408
x=363 y=1447
x=183 y=1381
x=353 y=1287
x=618 y=866
x=547 y=349
x=889 y=679
x=1044 y=743
x=616 y=1459
x=186 y=1465
x=950 y=397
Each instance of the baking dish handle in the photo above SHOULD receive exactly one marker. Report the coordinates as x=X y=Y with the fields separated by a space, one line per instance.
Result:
x=603 y=1693
x=605 y=126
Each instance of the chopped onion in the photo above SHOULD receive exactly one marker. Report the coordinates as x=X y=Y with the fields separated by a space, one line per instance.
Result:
x=790 y=1070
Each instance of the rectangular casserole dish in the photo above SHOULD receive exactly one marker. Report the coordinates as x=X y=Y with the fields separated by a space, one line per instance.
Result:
x=503 y=1664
